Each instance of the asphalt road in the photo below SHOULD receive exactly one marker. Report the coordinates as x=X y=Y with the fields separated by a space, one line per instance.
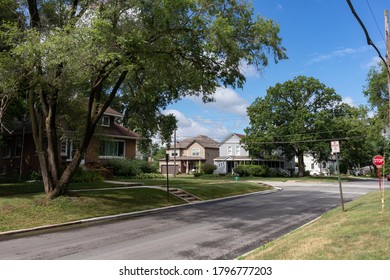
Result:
x=222 y=229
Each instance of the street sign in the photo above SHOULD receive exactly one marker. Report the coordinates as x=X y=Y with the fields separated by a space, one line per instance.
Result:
x=378 y=161
x=335 y=147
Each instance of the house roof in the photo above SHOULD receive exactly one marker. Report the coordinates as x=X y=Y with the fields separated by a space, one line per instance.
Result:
x=184 y=158
x=112 y=112
x=230 y=136
x=118 y=131
x=204 y=141
x=234 y=158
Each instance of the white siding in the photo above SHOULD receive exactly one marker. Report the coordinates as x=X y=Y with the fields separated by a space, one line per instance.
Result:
x=236 y=149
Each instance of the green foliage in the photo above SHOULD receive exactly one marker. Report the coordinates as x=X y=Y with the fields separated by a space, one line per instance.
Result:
x=147 y=176
x=87 y=176
x=167 y=124
x=208 y=168
x=376 y=90
x=252 y=170
x=35 y=176
x=300 y=117
x=129 y=168
x=82 y=55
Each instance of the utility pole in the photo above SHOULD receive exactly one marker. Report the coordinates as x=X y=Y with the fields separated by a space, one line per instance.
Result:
x=387 y=57
x=388 y=89
x=174 y=154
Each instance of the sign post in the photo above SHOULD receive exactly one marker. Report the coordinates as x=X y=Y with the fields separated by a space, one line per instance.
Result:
x=379 y=161
x=336 y=150
x=167 y=161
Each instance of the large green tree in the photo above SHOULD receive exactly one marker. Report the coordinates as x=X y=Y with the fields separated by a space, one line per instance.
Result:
x=77 y=56
x=362 y=135
x=298 y=116
x=376 y=90
x=11 y=98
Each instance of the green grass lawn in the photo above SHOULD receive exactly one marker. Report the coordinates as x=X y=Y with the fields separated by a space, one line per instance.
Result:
x=210 y=187
x=31 y=210
x=24 y=205
x=360 y=233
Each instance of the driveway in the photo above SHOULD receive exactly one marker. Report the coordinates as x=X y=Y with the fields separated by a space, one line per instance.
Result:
x=223 y=229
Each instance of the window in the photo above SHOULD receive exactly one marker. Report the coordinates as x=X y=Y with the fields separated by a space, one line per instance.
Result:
x=112 y=149
x=174 y=154
x=230 y=150
x=195 y=152
x=66 y=149
x=105 y=121
x=238 y=150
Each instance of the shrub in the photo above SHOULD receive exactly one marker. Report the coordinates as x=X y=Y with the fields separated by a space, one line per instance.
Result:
x=252 y=170
x=87 y=176
x=242 y=170
x=129 y=168
x=208 y=168
x=144 y=176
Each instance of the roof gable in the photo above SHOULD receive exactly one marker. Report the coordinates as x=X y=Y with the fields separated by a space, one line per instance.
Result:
x=231 y=135
x=204 y=141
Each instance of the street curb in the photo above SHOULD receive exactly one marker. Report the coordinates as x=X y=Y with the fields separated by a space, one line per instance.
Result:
x=130 y=214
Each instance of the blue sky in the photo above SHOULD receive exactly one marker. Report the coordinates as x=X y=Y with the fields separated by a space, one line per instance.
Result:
x=323 y=40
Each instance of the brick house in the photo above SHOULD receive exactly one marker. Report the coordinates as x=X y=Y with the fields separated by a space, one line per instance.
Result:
x=111 y=140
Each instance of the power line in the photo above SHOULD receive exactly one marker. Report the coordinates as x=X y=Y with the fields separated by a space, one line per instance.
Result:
x=369 y=41
x=304 y=141
x=377 y=25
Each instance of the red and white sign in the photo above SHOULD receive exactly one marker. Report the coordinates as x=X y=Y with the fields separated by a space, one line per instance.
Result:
x=335 y=147
x=378 y=161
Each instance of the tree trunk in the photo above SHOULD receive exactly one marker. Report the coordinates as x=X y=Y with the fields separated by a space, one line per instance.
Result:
x=301 y=165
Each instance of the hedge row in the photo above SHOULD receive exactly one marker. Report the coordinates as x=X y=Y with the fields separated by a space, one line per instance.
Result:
x=252 y=170
x=129 y=168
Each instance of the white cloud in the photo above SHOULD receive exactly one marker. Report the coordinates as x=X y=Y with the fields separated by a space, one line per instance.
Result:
x=337 y=54
x=348 y=100
x=190 y=127
x=372 y=63
x=227 y=101
x=279 y=7
x=249 y=71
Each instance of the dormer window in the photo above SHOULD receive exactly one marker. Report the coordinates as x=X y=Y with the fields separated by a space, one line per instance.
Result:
x=105 y=121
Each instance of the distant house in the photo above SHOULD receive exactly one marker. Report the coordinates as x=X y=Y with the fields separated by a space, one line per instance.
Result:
x=190 y=154
x=111 y=140
x=232 y=153
x=315 y=168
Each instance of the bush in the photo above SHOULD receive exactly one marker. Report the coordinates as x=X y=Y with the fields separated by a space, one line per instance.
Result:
x=87 y=176
x=258 y=170
x=208 y=168
x=252 y=170
x=242 y=170
x=144 y=176
x=129 y=168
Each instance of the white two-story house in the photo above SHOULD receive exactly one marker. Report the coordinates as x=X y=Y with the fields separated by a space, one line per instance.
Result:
x=232 y=153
